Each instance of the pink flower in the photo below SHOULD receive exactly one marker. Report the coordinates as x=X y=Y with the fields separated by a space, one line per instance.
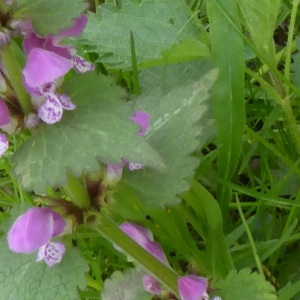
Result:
x=144 y=238
x=114 y=171
x=47 y=62
x=192 y=287
x=33 y=230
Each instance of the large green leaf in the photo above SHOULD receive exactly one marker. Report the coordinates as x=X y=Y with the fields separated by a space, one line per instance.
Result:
x=21 y=277
x=229 y=107
x=125 y=286
x=260 y=18
x=174 y=133
x=157 y=26
x=48 y=17
x=99 y=129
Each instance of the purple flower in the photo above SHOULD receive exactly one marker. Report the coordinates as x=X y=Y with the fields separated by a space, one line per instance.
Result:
x=34 y=229
x=52 y=253
x=144 y=238
x=114 y=171
x=47 y=62
x=3 y=144
x=192 y=287
x=4 y=113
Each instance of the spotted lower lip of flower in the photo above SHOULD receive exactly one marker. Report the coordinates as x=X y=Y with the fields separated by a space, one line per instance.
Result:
x=52 y=253
x=3 y=144
x=192 y=287
x=81 y=66
x=51 y=110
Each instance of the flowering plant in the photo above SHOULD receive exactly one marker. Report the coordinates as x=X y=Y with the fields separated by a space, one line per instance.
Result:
x=149 y=149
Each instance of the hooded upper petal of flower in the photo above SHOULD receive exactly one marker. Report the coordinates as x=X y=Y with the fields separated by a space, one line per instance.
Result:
x=34 y=229
x=143 y=119
x=151 y=285
x=4 y=113
x=137 y=232
x=43 y=67
x=192 y=287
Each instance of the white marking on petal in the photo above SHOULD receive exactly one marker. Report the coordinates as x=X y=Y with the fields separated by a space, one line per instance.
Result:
x=51 y=110
x=81 y=65
x=3 y=144
x=66 y=102
x=52 y=253
x=134 y=166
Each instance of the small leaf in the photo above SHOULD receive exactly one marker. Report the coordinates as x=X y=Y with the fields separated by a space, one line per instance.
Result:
x=21 y=277
x=156 y=26
x=245 y=285
x=125 y=286
x=48 y=17
x=174 y=132
x=99 y=129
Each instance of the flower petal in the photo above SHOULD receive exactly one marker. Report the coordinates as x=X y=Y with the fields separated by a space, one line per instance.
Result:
x=143 y=119
x=4 y=113
x=52 y=253
x=66 y=102
x=43 y=67
x=156 y=250
x=138 y=233
x=76 y=29
x=192 y=287
x=31 y=230
x=151 y=285
x=51 y=110
x=81 y=65
x=134 y=166
x=32 y=120
x=31 y=41
x=3 y=144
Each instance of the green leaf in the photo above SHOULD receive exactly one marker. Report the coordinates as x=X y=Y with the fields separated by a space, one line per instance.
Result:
x=229 y=107
x=245 y=285
x=156 y=25
x=48 y=17
x=210 y=222
x=260 y=18
x=99 y=129
x=21 y=277
x=295 y=66
x=174 y=133
x=125 y=286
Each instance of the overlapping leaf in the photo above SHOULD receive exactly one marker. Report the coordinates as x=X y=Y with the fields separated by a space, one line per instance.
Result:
x=48 y=17
x=295 y=67
x=99 y=129
x=125 y=286
x=245 y=285
x=21 y=277
x=174 y=133
x=156 y=25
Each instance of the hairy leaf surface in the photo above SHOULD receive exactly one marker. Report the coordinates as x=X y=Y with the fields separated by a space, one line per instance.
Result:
x=99 y=129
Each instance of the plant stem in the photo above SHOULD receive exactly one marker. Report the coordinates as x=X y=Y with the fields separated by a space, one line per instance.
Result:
x=287 y=69
x=77 y=192
x=112 y=232
x=14 y=73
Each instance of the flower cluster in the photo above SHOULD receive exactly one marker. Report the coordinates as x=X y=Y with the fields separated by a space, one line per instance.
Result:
x=190 y=287
x=114 y=171
x=34 y=230
x=47 y=62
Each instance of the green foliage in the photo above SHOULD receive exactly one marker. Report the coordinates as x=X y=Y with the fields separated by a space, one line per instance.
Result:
x=125 y=286
x=99 y=129
x=245 y=285
x=173 y=133
x=295 y=67
x=21 y=277
x=260 y=18
x=228 y=93
x=48 y=17
x=157 y=27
